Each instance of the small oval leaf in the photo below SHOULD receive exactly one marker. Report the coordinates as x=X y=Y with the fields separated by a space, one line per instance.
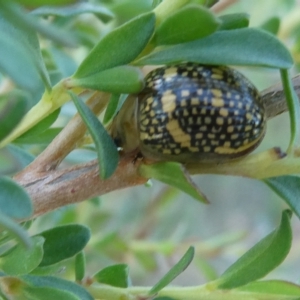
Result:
x=20 y=51
x=246 y=46
x=71 y=10
x=272 y=287
x=288 y=188
x=30 y=258
x=14 y=200
x=177 y=269
x=44 y=138
x=122 y=79
x=112 y=108
x=13 y=107
x=79 y=266
x=59 y=284
x=292 y=101
x=175 y=175
x=260 y=259
x=272 y=25
x=116 y=275
x=234 y=21
x=42 y=125
x=187 y=24
x=15 y=230
x=108 y=156
x=47 y=293
x=119 y=47
x=63 y=242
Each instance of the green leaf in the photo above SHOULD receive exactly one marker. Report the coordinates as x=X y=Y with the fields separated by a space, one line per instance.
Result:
x=293 y=106
x=14 y=200
x=47 y=293
x=288 y=188
x=176 y=270
x=64 y=64
x=20 y=18
x=43 y=138
x=234 y=21
x=79 y=266
x=122 y=79
x=271 y=25
x=15 y=230
x=13 y=107
x=260 y=259
x=20 y=55
x=187 y=24
x=112 y=108
x=164 y=298
x=34 y=3
x=116 y=275
x=272 y=287
x=6 y=236
x=19 y=260
x=175 y=175
x=72 y=10
x=119 y=47
x=246 y=46
x=42 y=125
x=57 y=283
x=108 y=156
x=63 y=242
x=22 y=157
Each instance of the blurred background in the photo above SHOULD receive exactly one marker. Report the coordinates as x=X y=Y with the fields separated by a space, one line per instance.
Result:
x=150 y=227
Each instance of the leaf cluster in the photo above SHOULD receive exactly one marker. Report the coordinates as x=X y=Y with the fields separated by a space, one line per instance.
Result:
x=45 y=79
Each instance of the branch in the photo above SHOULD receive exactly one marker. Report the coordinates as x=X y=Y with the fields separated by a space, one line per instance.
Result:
x=53 y=189
x=50 y=188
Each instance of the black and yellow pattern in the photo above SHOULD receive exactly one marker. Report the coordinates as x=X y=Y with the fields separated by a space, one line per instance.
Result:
x=190 y=112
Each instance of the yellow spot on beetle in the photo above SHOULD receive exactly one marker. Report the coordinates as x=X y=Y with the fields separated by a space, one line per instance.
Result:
x=169 y=72
x=194 y=149
x=152 y=113
x=216 y=93
x=217 y=76
x=223 y=112
x=220 y=121
x=185 y=93
x=195 y=101
x=230 y=129
x=217 y=102
x=199 y=135
x=166 y=151
x=168 y=103
x=207 y=120
x=249 y=116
